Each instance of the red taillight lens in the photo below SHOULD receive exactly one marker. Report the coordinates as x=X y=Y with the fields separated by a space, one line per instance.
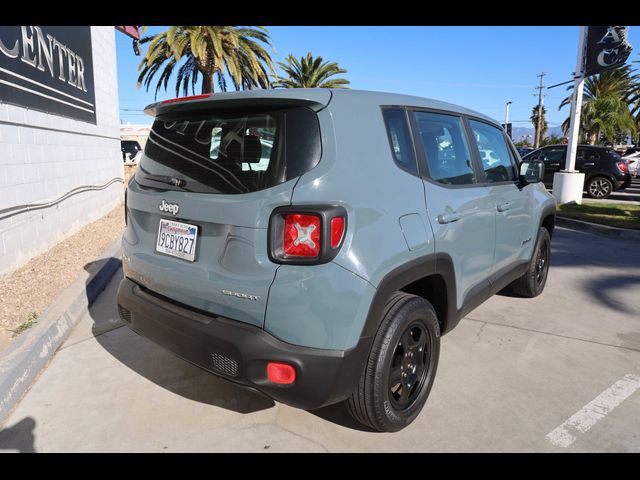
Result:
x=301 y=235
x=184 y=99
x=281 y=373
x=337 y=230
x=306 y=234
x=622 y=167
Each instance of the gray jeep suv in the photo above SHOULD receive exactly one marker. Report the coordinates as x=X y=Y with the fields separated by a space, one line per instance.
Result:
x=314 y=244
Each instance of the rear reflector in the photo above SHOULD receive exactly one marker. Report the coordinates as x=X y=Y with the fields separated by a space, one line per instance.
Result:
x=281 y=373
x=184 y=99
x=301 y=235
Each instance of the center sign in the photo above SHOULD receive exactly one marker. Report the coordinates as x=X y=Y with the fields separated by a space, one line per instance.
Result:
x=49 y=69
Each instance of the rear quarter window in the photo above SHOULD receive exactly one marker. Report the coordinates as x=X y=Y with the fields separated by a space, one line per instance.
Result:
x=400 y=139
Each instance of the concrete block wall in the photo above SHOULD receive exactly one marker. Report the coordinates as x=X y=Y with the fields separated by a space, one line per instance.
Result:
x=43 y=156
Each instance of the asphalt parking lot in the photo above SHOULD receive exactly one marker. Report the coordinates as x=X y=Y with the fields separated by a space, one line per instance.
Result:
x=557 y=373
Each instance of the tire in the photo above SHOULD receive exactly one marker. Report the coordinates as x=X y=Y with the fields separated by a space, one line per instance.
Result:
x=532 y=283
x=407 y=344
x=599 y=187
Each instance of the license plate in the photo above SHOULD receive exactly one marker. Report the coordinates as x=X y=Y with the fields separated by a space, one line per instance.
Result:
x=177 y=239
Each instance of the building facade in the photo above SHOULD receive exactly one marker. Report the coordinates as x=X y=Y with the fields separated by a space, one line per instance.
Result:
x=60 y=160
x=138 y=132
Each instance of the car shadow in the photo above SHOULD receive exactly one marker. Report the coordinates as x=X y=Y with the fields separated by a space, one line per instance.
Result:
x=339 y=415
x=179 y=376
x=160 y=366
x=19 y=437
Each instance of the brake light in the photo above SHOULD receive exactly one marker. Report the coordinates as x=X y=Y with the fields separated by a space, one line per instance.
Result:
x=301 y=235
x=184 y=99
x=281 y=373
x=622 y=166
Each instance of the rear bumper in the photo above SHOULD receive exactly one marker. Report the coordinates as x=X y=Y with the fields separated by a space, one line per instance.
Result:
x=239 y=352
x=624 y=183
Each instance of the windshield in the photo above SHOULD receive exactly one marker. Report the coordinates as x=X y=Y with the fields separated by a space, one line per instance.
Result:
x=231 y=152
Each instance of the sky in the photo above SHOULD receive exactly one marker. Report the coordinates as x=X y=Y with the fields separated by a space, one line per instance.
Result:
x=480 y=68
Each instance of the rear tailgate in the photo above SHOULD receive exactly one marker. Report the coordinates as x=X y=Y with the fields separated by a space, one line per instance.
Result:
x=220 y=172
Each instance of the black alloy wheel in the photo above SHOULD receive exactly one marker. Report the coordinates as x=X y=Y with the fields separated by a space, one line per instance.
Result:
x=409 y=366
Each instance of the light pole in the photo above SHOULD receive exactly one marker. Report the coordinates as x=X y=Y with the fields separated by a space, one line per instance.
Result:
x=506 y=114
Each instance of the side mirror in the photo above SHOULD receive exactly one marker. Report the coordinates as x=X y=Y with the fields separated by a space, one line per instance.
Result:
x=531 y=172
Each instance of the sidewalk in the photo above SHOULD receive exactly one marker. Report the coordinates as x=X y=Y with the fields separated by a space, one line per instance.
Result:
x=26 y=293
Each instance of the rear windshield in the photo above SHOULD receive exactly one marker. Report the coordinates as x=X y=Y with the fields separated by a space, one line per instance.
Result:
x=230 y=152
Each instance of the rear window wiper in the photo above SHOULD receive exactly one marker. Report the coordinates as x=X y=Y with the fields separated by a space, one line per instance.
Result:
x=175 y=181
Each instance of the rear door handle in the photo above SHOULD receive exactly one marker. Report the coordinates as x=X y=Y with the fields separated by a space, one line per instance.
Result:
x=503 y=207
x=554 y=164
x=588 y=164
x=449 y=217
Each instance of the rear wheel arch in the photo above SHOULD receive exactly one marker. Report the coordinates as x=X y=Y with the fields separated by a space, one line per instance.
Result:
x=431 y=277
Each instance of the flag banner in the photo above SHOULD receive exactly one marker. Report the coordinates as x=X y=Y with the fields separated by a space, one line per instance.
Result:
x=607 y=48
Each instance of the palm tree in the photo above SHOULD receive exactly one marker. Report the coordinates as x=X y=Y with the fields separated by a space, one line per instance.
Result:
x=634 y=101
x=606 y=105
x=608 y=116
x=210 y=52
x=543 y=122
x=310 y=72
x=551 y=140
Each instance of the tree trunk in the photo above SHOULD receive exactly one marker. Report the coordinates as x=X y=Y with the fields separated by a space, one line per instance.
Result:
x=207 y=81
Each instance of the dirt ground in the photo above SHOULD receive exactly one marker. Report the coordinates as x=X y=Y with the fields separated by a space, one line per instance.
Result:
x=26 y=293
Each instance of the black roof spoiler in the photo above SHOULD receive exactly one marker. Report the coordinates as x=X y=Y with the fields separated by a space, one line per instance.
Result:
x=316 y=99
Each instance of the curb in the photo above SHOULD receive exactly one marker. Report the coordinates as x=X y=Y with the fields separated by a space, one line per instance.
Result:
x=612 y=232
x=29 y=354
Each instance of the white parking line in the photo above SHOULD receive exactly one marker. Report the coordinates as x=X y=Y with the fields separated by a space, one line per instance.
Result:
x=596 y=410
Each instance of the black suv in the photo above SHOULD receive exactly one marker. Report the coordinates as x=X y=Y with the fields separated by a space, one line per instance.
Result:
x=604 y=169
x=131 y=147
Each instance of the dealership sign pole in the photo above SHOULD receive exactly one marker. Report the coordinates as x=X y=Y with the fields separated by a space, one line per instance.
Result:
x=568 y=183
x=599 y=49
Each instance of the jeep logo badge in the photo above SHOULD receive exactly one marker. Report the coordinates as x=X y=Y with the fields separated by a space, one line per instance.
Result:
x=169 y=207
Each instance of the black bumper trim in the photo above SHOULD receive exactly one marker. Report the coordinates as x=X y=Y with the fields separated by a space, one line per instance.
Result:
x=239 y=352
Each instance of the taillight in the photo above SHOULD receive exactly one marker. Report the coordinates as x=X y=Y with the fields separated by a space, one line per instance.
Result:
x=184 y=99
x=337 y=230
x=622 y=166
x=301 y=235
x=306 y=235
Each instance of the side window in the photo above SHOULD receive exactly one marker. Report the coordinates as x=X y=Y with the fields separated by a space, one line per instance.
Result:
x=443 y=140
x=496 y=157
x=400 y=139
x=554 y=155
x=592 y=155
